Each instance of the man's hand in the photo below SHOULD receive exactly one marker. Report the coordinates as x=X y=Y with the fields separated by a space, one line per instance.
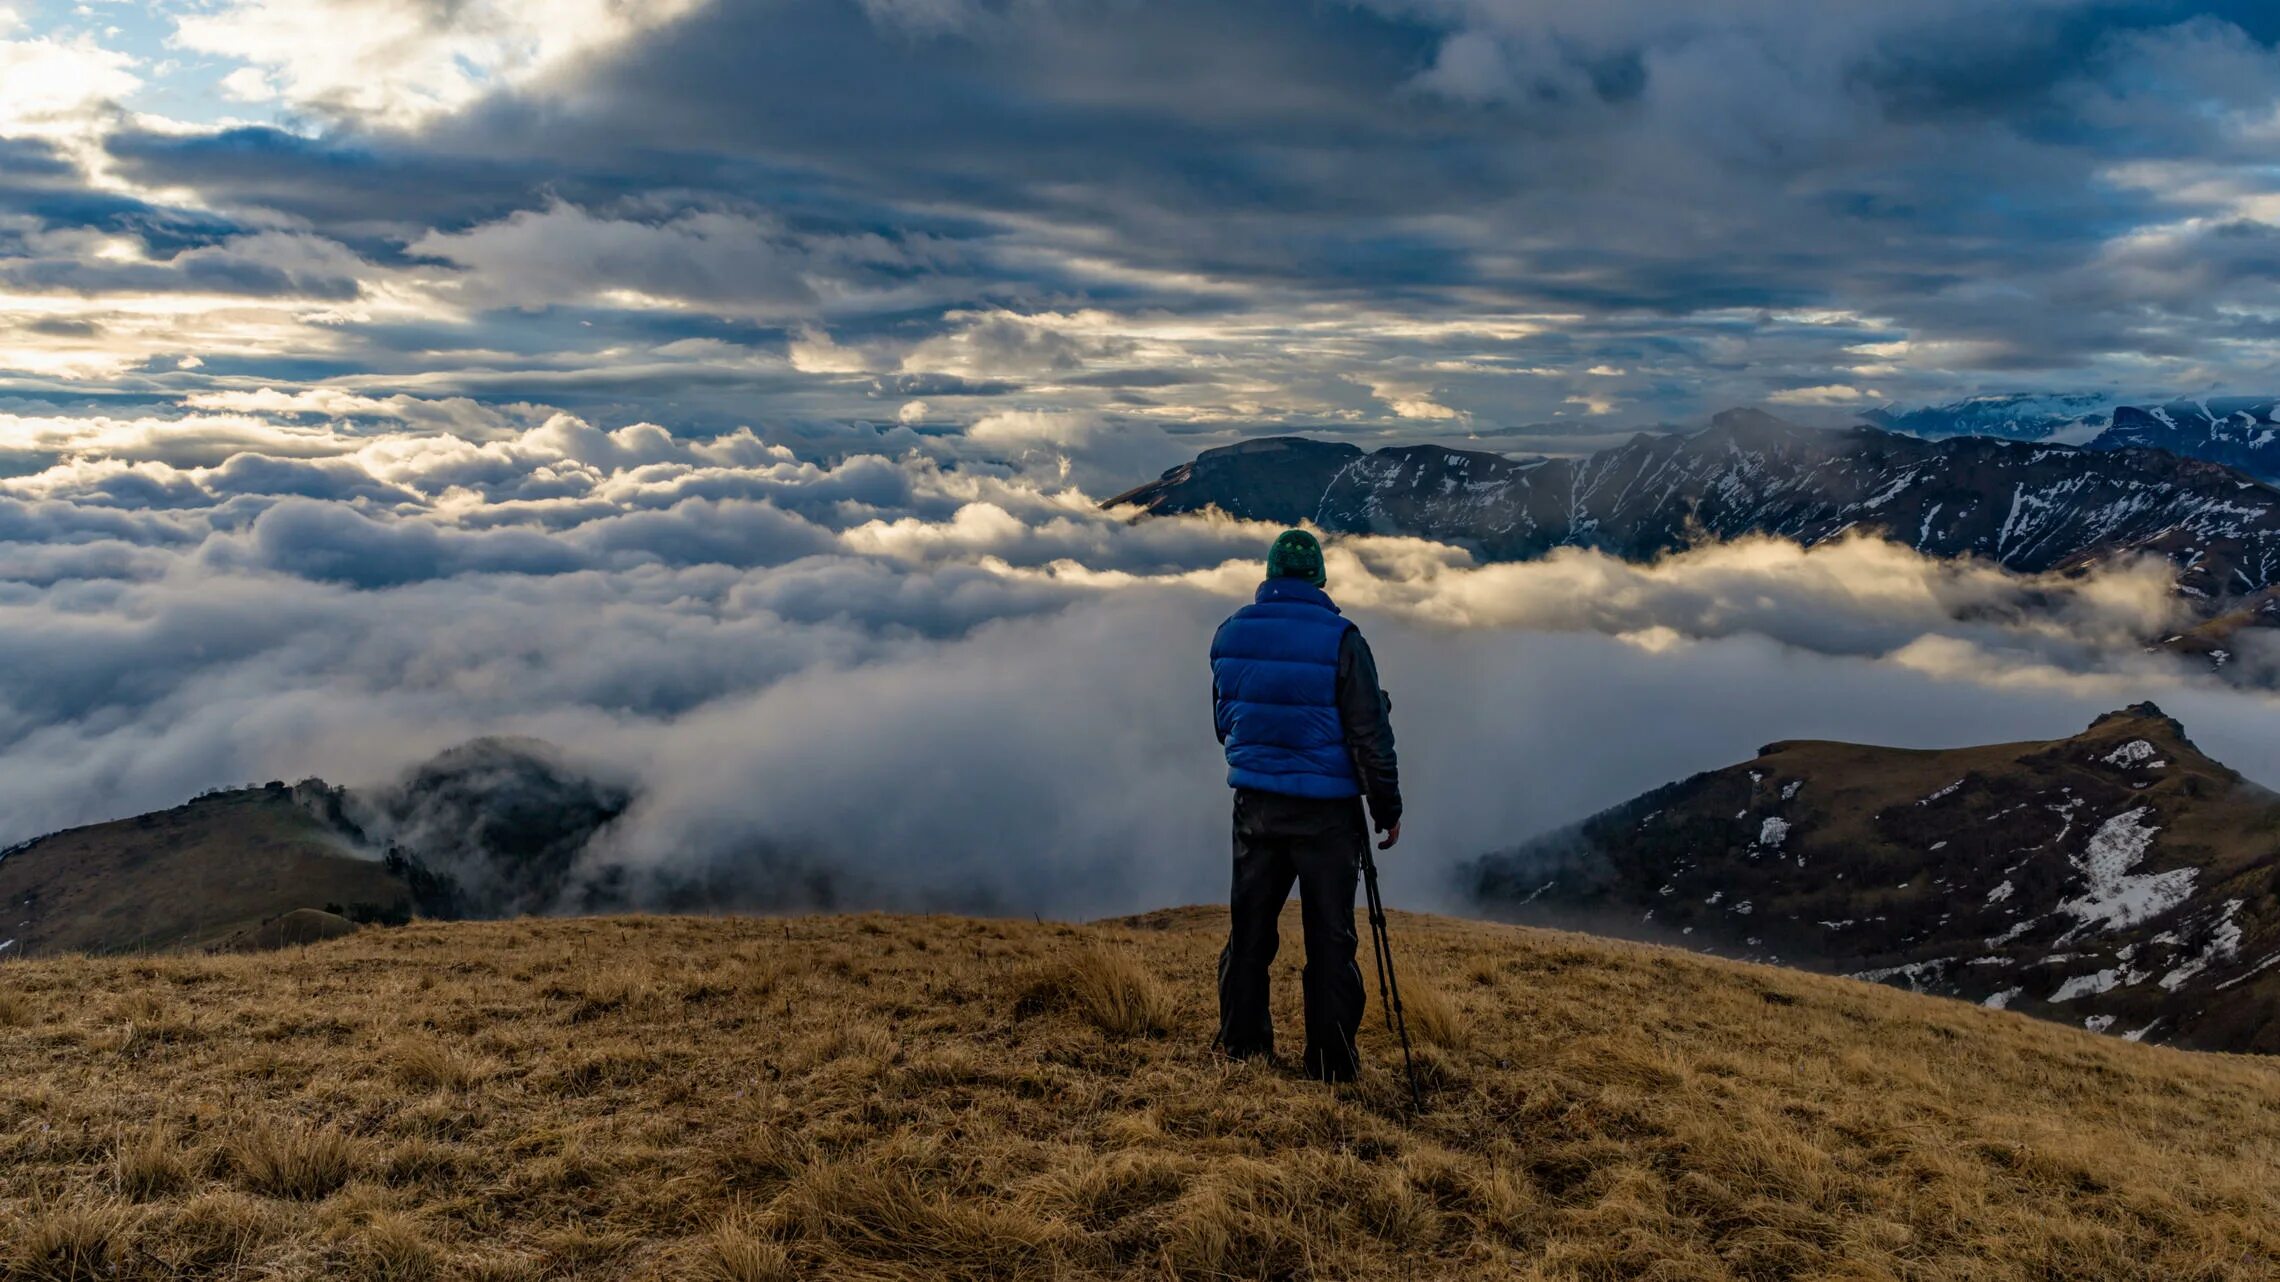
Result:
x=1392 y=835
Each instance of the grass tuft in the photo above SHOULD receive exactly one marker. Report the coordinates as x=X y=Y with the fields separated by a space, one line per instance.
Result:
x=150 y=1163
x=388 y=1247
x=213 y=1233
x=737 y=1253
x=1109 y=990
x=426 y=1065
x=284 y=1159
x=1433 y=1016
x=73 y=1242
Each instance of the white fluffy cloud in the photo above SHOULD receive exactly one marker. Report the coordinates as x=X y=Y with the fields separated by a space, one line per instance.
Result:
x=50 y=86
x=403 y=61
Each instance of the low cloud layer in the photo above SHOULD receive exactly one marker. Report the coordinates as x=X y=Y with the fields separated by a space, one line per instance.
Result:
x=939 y=672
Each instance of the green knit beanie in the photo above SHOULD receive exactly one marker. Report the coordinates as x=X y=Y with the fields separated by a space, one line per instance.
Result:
x=1296 y=555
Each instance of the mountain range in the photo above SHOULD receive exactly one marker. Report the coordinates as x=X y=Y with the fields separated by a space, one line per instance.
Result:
x=2031 y=508
x=2241 y=432
x=2120 y=880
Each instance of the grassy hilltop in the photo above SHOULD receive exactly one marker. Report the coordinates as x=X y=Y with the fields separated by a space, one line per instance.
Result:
x=884 y=1097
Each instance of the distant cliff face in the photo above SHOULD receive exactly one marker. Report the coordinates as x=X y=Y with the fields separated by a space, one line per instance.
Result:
x=2031 y=508
x=2119 y=880
x=2238 y=433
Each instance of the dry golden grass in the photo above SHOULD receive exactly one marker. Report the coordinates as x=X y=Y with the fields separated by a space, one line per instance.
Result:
x=150 y=1163
x=1108 y=989
x=291 y=1160
x=874 y=1098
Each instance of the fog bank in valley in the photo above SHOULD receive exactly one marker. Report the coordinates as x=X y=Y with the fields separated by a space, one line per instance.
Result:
x=919 y=675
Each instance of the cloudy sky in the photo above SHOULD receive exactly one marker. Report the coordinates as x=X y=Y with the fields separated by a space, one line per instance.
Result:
x=1417 y=216
x=721 y=388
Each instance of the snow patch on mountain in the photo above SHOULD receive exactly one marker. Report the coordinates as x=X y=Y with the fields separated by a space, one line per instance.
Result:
x=1941 y=793
x=1918 y=975
x=2223 y=945
x=2135 y=752
x=2113 y=896
x=2104 y=981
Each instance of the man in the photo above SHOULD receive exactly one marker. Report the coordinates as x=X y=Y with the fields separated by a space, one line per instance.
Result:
x=1308 y=734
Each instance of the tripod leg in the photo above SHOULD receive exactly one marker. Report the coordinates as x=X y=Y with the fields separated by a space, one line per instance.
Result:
x=1392 y=981
x=1377 y=951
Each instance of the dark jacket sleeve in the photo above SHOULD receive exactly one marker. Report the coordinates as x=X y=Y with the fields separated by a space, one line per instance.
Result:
x=1368 y=717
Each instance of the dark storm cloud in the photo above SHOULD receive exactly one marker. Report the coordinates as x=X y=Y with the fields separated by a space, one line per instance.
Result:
x=197 y=271
x=352 y=187
x=1964 y=178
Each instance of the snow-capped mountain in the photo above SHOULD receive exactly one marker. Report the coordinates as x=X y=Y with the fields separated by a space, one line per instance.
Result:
x=2030 y=507
x=2239 y=432
x=2063 y=418
x=2119 y=880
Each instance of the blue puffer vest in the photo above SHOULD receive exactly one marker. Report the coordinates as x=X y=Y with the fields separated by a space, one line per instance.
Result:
x=1274 y=665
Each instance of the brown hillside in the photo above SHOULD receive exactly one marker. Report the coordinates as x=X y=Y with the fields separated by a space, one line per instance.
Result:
x=883 y=1097
x=2118 y=880
x=182 y=878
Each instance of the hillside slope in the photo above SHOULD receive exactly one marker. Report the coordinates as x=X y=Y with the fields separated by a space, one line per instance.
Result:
x=185 y=877
x=489 y=828
x=2119 y=879
x=882 y=1097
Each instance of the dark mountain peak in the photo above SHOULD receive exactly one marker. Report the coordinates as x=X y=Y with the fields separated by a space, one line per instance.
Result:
x=494 y=826
x=2145 y=720
x=1271 y=478
x=1298 y=445
x=2145 y=710
x=1431 y=450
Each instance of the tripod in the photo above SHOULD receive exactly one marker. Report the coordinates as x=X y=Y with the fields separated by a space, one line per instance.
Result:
x=1389 y=988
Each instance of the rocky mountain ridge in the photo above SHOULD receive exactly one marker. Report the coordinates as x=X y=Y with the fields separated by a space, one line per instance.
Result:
x=2031 y=508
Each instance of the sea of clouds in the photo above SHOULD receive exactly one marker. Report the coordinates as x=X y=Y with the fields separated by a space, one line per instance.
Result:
x=931 y=667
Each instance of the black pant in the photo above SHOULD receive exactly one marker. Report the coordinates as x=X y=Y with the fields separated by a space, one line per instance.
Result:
x=1317 y=844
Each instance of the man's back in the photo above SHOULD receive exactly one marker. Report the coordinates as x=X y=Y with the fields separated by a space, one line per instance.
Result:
x=1297 y=704
x=1307 y=731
